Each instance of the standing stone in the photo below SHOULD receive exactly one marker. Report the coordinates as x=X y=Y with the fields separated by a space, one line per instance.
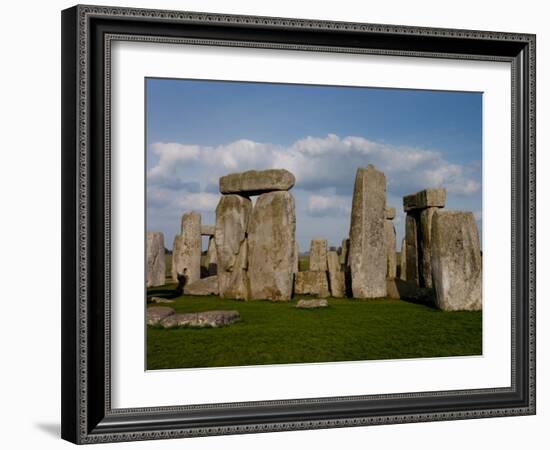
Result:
x=204 y=286
x=403 y=262
x=389 y=231
x=345 y=252
x=318 y=255
x=211 y=262
x=232 y=217
x=425 y=267
x=312 y=283
x=256 y=182
x=296 y=258
x=367 y=252
x=271 y=246
x=421 y=207
x=156 y=269
x=186 y=252
x=411 y=260
x=456 y=261
x=335 y=275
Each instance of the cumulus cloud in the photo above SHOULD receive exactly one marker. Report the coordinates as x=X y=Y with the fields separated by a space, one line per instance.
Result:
x=328 y=205
x=183 y=177
x=317 y=162
x=166 y=198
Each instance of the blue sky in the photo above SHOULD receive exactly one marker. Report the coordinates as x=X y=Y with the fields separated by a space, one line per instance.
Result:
x=199 y=130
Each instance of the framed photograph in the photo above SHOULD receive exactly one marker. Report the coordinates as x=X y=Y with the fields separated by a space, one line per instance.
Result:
x=279 y=224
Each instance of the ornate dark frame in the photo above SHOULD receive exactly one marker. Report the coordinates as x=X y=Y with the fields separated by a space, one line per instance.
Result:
x=87 y=31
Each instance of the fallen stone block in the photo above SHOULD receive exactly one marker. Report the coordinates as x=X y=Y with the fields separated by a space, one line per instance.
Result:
x=206 y=319
x=159 y=300
x=157 y=313
x=309 y=304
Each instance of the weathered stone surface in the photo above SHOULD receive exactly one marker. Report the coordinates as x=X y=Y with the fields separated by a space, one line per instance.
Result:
x=456 y=261
x=296 y=262
x=335 y=275
x=403 y=260
x=318 y=255
x=310 y=282
x=157 y=313
x=232 y=217
x=186 y=251
x=206 y=319
x=204 y=286
x=310 y=304
x=367 y=252
x=256 y=182
x=271 y=246
x=345 y=252
x=211 y=260
x=153 y=299
x=390 y=213
x=156 y=269
x=399 y=289
x=425 y=199
x=208 y=230
x=411 y=260
x=425 y=266
x=391 y=263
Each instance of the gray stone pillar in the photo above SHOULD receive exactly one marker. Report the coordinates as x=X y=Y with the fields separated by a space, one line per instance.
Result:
x=456 y=261
x=421 y=207
x=411 y=261
x=312 y=283
x=296 y=258
x=272 y=244
x=318 y=255
x=186 y=252
x=425 y=246
x=403 y=262
x=344 y=253
x=211 y=261
x=389 y=233
x=367 y=253
x=232 y=218
x=335 y=275
x=156 y=268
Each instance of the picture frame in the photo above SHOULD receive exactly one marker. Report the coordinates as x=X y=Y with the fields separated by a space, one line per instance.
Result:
x=87 y=412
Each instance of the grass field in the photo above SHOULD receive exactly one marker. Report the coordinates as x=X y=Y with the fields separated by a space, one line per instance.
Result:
x=278 y=333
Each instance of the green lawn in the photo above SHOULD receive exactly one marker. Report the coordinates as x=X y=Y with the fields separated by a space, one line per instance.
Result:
x=278 y=333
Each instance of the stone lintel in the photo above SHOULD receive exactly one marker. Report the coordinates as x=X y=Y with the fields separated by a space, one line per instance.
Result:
x=426 y=198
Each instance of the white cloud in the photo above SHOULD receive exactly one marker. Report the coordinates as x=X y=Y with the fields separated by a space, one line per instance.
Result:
x=328 y=205
x=185 y=177
x=317 y=163
x=166 y=198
